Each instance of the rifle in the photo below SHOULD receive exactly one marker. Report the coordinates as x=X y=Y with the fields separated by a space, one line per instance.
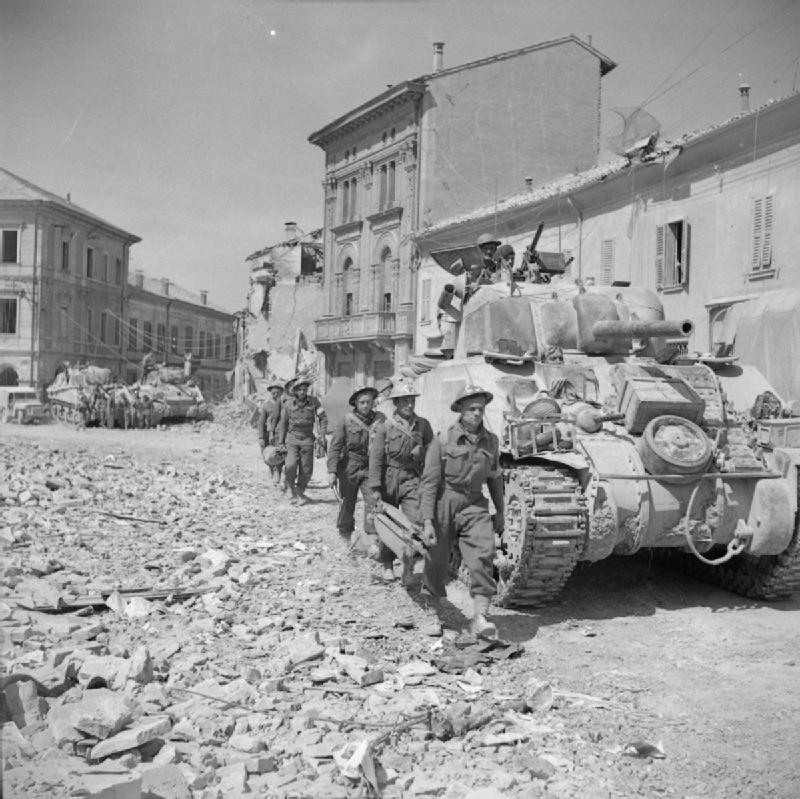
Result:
x=398 y=533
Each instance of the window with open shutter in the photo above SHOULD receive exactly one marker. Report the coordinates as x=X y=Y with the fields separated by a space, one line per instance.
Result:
x=766 y=242
x=607 y=262
x=672 y=254
x=425 y=302
x=761 y=253
x=660 y=256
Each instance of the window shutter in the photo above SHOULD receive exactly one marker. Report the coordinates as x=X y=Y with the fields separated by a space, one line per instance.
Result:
x=683 y=277
x=607 y=262
x=766 y=243
x=660 y=256
x=758 y=233
x=345 y=200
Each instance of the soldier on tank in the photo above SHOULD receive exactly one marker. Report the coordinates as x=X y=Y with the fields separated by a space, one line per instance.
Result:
x=484 y=271
x=348 y=462
x=454 y=509
x=396 y=458
x=267 y=423
x=296 y=431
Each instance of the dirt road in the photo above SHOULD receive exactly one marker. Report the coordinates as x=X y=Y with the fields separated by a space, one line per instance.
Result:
x=634 y=653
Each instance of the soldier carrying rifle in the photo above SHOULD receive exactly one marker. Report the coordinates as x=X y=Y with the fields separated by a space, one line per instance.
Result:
x=396 y=458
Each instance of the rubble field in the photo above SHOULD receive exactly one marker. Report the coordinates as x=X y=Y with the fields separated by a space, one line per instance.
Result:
x=173 y=628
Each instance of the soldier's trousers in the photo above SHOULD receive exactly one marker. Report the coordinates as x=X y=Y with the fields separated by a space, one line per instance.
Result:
x=348 y=491
x=401 y=489
x=299 y=465
x=462 y=520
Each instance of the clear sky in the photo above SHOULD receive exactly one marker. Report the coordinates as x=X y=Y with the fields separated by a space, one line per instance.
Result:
x=186 y=121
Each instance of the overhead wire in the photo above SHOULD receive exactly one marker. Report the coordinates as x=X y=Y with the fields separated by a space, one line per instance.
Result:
x=691 y=52
x=705 y=63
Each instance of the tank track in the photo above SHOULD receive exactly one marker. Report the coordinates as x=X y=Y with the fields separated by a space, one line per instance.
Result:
x=770 y=577
x=545 y=532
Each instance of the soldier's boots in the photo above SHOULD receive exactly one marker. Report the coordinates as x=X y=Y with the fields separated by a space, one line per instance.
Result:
x=481 y=627
x=432 y=625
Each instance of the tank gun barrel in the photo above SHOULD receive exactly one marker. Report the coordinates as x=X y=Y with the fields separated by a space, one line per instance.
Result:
x=641 y=329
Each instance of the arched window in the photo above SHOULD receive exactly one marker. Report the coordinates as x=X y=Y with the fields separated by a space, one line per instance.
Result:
x=347 y=301
x=388 y=288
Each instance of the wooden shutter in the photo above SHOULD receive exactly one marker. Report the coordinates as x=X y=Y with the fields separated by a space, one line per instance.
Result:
x=766 y=242
x=758 y=233
x=607 y=262
x=660 y=256
x=686 y=235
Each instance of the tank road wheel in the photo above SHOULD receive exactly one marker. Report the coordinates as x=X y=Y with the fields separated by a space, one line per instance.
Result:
x=672 y=445
x=544 y=535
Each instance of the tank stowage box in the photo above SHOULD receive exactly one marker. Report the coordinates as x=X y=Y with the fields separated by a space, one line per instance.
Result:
x=644 y=398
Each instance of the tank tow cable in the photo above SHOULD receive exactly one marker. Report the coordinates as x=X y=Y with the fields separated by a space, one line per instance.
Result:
x=736 y=545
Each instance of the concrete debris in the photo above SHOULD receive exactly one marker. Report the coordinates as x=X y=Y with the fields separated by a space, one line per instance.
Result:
x=261 y=658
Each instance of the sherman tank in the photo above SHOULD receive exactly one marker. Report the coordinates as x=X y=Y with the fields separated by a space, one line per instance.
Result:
x=78 y=394
x=613 y=440
x=173 y=395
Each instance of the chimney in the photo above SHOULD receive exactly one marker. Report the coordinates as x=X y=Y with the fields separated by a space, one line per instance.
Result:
x=139 y=277
x=744 y=93
x=165 y=286
x=438 y=56
x=529 y=184
x=290 y=230
x=203 y=297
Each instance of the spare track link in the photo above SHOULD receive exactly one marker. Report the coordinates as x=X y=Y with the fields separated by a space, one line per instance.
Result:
x=770 y=577
x=547 y=505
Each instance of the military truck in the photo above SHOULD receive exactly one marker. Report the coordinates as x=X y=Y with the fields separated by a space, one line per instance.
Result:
x=20 y=404
x=614 y=440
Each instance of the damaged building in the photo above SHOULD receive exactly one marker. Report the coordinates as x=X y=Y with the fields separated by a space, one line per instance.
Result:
x=427 y=149
x=284 y=297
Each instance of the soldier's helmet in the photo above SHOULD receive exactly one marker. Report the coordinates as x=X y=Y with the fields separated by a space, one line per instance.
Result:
x=487 y=238
x=362 y=390
x=505 y=250
x=403 y=390
x=468 y=392
x=275 y=384
x=300 y=381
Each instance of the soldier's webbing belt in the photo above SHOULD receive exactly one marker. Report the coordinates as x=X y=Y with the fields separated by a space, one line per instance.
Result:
x=406 y=466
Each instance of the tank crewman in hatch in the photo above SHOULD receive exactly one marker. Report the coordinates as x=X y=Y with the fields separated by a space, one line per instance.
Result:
x=396 y=458
x=296 y=431
x=454 y=509
x=348 y=462
x=268 y=418
x=484 y=271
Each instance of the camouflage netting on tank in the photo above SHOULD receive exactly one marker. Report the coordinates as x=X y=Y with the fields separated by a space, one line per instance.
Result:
x=171 y=374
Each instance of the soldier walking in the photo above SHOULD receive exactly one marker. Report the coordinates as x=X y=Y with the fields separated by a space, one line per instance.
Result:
x=268 y=419
x=396 y=458
x=147 y=411
x=348 y=462
x=454 y=509
x=299 y=416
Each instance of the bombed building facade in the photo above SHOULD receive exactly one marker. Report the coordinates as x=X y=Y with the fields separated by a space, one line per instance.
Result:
x=285 y=296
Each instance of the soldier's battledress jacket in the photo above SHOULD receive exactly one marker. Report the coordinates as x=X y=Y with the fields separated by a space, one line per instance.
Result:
x=268 y=419
x=459 y=462
x=348 y=454
x=457 y=465
x=396 y=460
x=296 y=423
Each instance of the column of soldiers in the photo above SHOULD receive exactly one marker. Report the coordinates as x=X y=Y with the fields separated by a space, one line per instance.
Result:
x=437 y=481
